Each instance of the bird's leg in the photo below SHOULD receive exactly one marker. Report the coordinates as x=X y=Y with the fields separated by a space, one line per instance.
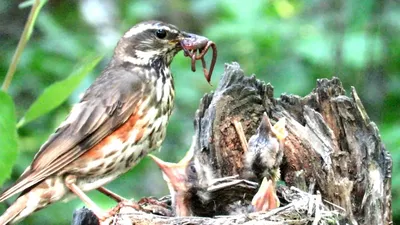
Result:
x=240 y=132
x=111 y=194
x=123 y=204
x=70 y=182
x=265 y=199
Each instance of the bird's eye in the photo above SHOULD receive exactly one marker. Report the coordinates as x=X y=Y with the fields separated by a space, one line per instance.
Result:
x=193 y=169
x=161 y=33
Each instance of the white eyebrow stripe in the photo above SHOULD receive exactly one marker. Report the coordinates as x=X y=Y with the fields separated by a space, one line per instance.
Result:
x=142 y=27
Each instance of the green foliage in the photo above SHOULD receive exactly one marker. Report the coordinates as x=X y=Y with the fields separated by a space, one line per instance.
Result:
x=57 y=93
x=289 y=43
x=8 y=136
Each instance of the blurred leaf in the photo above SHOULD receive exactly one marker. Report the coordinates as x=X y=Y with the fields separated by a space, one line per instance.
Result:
x=390 y=133
x=141 y=9
x=284 y=8
x=8 y=136
x=360 y=49
x=317 y=48
x=53 y=31
x=58 y=92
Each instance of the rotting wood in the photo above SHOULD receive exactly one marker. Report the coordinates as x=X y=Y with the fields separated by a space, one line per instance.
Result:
x=332 y=150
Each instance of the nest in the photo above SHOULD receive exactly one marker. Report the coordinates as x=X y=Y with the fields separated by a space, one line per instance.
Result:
x=332 y=150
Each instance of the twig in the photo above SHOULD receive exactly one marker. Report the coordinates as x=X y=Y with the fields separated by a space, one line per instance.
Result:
x=240 y=132
x=22 y=42
x=334 y=205
x=318 y=202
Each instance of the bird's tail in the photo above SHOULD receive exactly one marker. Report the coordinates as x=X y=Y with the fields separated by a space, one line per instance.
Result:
x=34 y=199
x=16 y=211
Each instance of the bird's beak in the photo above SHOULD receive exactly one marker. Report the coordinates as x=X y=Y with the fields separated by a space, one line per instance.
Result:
x=191 y=41
x=265 y=126
x=265 y=199
x=175 y=176
x=174 y=173
x=279 y=129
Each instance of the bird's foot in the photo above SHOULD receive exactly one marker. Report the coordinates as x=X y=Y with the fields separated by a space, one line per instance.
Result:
x=70 y=182
x=154 y=206
x=110 y=217
x=151 y=201
x=265 y=199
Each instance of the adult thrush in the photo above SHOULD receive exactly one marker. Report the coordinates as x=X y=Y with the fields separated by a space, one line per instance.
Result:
x=121 y=117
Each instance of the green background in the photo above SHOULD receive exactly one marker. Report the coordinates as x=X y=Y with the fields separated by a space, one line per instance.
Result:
x=288 y=43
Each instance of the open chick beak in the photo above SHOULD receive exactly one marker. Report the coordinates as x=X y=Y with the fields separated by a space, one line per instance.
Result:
x=265 y=198
x=173 y=173
x=279 y=130
x=176 y=177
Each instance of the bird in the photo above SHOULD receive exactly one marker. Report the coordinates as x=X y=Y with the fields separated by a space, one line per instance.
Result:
x=262 y=161
x=193 y=195
x=180 y=178
x=121 y=117
x=188 y=196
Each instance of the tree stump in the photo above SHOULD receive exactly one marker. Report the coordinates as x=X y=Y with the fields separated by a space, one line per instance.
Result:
x=334 y=159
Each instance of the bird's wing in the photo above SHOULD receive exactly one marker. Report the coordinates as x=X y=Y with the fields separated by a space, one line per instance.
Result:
x=106 y=105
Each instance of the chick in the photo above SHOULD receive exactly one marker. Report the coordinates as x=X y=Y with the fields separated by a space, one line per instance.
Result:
x=179 y=178
x=262 y=161
x=191 y=195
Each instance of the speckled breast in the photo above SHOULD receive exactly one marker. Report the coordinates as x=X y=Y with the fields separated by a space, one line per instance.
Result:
x=144 y=132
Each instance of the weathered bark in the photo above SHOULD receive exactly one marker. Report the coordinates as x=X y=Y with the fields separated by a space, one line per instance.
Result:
x=332 y=148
